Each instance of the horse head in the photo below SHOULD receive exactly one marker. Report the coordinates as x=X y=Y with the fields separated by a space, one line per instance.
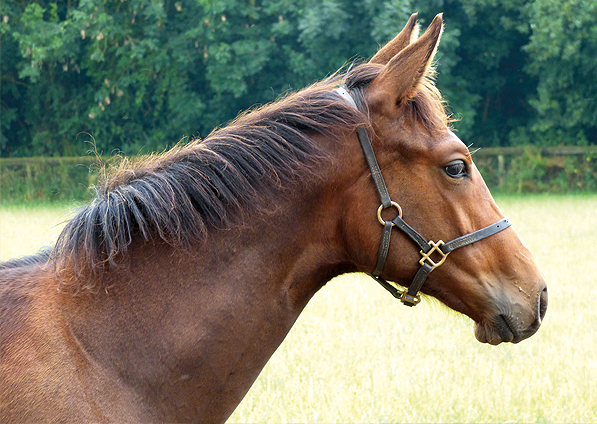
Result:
x=437 y=194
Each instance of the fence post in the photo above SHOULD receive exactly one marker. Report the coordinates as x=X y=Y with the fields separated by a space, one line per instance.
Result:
x=29 y=191
x=501 y=170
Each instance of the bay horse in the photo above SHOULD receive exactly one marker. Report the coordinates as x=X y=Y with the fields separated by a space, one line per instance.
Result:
x=163 y=299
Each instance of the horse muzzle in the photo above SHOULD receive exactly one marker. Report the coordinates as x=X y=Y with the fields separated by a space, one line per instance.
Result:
x=514 y=323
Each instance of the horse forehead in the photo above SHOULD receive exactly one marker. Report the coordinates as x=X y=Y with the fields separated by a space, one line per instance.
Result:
x=444 y=143
x=430 y=144
x=450 y=134
x=453 y=137
x=442 y=138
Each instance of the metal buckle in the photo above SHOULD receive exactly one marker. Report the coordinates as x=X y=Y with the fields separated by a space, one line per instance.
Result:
x=409 y=300
x=381 y=208
x=435 y=247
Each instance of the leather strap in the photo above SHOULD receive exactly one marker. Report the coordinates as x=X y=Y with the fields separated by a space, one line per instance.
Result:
x=380 y=184
x=369 y=153
x=411 y=297
x=490 y=230
x=412 y=234
x=384 y=247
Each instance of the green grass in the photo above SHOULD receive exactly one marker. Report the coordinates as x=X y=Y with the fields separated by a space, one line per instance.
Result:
x=358 y=355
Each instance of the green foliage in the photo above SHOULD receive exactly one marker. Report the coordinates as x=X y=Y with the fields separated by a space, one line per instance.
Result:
x=485 y=86
x=563 y=46
x=139 y=75
x=538 y=170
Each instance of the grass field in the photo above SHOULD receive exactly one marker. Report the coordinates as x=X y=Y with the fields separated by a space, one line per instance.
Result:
x=358 y=355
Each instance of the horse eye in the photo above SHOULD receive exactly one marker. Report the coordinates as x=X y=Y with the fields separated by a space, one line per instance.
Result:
x=456 y=169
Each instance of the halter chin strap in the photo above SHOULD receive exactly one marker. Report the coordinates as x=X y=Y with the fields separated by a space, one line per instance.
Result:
x=439 y=250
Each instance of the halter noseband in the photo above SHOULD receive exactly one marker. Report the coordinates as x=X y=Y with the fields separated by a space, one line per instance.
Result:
x=410 y=296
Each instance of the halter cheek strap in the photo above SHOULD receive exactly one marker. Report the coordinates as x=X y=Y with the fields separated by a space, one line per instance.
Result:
x=427 y=263
x=439 y=250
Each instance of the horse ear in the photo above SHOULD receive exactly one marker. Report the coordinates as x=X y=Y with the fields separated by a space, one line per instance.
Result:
x=400 y=79
x=408 y=34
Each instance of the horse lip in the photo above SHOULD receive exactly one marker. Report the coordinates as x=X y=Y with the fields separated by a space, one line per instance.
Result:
x=496 y=331
x=508 y=329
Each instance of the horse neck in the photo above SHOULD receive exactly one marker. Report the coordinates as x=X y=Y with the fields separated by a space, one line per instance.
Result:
x=217 y=310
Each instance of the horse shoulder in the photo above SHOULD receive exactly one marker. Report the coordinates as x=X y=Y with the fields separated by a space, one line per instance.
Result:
x=43 y=374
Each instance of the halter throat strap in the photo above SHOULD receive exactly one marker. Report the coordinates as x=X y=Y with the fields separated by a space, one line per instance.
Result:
x=439 y=250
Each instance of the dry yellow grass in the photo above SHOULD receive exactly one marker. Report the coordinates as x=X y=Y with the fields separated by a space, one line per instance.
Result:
x=357 y=355
x=25 y=228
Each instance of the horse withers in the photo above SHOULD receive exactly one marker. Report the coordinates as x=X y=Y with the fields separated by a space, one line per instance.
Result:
x=164 y=298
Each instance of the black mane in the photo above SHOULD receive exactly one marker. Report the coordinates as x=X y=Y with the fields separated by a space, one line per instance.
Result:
x=180 y=195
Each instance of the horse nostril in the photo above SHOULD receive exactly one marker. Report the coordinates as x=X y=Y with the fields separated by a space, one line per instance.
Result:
x=542 y=303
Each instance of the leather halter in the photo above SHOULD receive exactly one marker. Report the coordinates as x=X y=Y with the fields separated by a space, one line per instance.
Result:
x=410 y=296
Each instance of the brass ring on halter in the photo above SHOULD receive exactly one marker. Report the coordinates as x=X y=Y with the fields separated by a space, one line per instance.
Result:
x=381 y=208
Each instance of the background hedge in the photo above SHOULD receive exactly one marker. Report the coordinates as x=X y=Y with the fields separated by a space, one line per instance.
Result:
x=507 y=170
x=42 y=178
x=534 y=169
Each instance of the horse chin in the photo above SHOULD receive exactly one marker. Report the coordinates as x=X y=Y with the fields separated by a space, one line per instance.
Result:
x=496 y=331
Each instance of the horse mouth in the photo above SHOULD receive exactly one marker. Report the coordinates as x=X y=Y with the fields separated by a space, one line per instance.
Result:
x=505 y=327
x=496 y=331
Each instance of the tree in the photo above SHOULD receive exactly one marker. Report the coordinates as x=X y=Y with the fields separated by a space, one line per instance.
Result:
x=35 y=76
x=562 y=48
x=487 y=85
x=139 y=75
